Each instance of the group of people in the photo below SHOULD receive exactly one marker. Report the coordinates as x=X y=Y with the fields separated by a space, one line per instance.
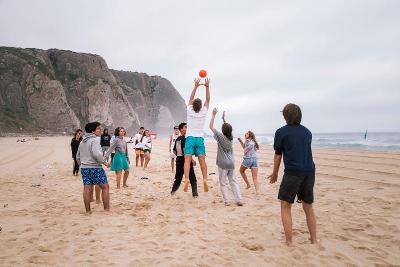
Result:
x=292 y=142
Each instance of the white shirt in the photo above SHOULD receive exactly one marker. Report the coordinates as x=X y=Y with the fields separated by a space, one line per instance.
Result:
x=146 y=143
x=173 y=139
x=136 y=140
x=196 y=121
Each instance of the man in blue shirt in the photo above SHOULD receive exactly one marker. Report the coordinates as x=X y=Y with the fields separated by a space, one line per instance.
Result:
x=293 y=141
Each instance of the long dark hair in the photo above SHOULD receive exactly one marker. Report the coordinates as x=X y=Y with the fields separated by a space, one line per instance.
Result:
x=76 y=132
x=227 y=130
x=105 y=131
x=144 y=134
x=252 y=136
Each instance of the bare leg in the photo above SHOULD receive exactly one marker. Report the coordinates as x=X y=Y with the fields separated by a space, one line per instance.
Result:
x=87 y=193
x=203 y=167
x=172 y=164
x=242 y=171
x=118 y=175
x=286 y=215
x=147 y=160
x=105 y=196
x=137 y=160
x=188 y=161
x=97 y=190
x=91 y=194
x=254 y=174
x=141 y=160
x=311 y=221
x=126 y=174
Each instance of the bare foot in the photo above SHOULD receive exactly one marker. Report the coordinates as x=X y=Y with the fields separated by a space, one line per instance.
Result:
x=186 y=186
x=125 y=185
x=227 y=204
x=98 y=202
x=248 y=186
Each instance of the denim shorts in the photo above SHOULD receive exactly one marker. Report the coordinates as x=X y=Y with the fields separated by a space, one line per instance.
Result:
x=195 y=146
x=250 y=163
x=93 y=176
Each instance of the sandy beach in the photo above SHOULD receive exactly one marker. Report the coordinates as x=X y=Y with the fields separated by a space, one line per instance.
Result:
x=43 y=219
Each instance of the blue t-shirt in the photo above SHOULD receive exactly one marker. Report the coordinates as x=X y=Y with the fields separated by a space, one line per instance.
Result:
x=294 y=142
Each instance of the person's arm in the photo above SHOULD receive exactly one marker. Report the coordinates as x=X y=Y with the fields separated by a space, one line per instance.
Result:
x=278 y=147
x=223 y=117
x=170 y=143
x=148 y=144
x=78 y=156
x=193 y=94
x=241 y=142
x=97 y=152
x=277 y=162
x=108 y=153
x=208 y=97
x=214 y=113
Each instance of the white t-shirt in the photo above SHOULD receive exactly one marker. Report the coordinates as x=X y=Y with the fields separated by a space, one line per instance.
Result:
x=196 y=121
x=173 y=137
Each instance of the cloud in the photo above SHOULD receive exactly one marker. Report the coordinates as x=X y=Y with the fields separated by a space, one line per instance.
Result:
x=338 y=59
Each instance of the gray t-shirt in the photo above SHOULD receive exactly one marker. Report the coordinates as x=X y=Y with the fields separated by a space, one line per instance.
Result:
x=225 y=158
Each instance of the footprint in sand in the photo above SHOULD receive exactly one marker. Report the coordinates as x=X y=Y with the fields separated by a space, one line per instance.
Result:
x=253 y=247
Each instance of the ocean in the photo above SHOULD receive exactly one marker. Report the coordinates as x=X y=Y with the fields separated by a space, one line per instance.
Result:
x=375 y=141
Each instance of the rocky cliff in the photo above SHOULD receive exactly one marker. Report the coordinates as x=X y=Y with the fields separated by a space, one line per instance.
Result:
x=59 y=91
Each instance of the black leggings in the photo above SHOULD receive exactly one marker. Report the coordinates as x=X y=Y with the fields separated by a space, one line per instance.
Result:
x=180 y=162
x=76 y=167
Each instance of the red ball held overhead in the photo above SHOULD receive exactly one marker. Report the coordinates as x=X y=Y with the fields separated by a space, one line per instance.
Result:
x=203 y=74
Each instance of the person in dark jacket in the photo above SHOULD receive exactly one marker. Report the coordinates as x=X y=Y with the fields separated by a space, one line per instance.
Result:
x=178 y=149
x=74 y=148
x=105 y=141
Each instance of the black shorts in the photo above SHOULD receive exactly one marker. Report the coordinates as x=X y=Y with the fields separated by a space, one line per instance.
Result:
x=302 y=186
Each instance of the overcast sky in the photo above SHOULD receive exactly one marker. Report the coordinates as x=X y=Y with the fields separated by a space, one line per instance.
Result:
x=339 y=60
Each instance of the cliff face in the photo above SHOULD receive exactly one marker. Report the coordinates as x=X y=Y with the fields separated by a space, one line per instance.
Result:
x=59 y=91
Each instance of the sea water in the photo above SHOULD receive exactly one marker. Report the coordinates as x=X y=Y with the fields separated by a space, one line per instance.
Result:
x=374 y=141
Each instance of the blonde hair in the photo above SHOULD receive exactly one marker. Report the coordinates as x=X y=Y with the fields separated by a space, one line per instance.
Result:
x=252 y=136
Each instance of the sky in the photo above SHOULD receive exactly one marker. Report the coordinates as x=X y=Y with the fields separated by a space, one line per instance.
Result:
x=338 y=60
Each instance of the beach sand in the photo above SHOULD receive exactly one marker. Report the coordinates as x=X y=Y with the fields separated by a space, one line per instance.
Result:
x=44 y=222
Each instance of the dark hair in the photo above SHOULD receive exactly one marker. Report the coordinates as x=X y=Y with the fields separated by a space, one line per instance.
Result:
x=144 y=134
x=105 y=130
x=252 y=136
x=227 y=130
x=197 y=103
x=117 y=130
x=176 y=127
x=141 y=128
x=292 y=114
x=180 y=127
x=76 y=132
x=91 y=126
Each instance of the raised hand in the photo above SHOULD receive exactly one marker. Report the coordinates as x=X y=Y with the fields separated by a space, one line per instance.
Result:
x=223 y=116
x=207 y=82
x=215 y=111
x=196 y=82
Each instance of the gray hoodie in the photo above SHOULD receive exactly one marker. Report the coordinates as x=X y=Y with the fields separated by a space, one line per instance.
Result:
x=90 y=154
x=225 y=158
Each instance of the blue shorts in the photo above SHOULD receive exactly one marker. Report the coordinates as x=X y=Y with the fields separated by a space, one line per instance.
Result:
x=195 y=146
x=250 y=163
x=93 y=176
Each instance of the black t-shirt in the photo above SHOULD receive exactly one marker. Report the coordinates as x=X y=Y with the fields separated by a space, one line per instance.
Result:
x=105 y=140
x=294 y=142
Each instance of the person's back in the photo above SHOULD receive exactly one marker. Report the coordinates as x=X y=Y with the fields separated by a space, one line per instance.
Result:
x=89 y=153
x=294 y=142
x=196 y=121
x=225 y=159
